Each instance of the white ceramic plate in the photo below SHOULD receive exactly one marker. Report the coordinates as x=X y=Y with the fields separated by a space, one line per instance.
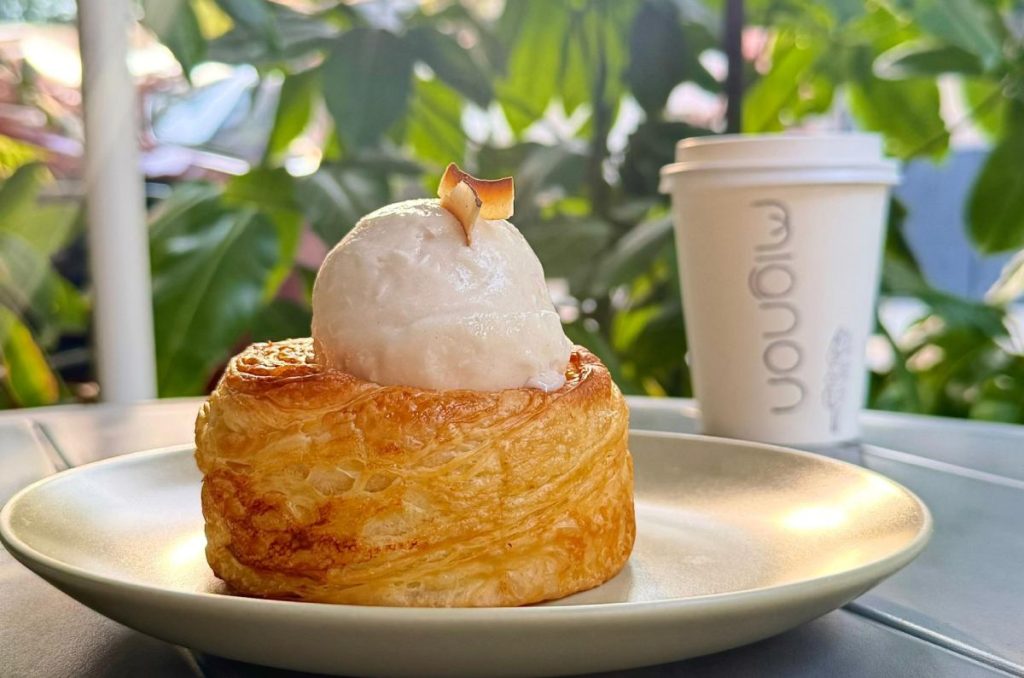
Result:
x=736 y=542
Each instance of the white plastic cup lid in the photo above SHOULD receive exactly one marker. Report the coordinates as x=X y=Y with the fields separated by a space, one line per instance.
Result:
x=858 y=154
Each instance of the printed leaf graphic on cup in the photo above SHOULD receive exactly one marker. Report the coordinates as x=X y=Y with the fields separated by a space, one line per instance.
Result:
x=839 y=360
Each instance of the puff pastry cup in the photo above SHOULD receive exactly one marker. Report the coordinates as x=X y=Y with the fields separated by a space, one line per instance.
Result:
x=319 y=486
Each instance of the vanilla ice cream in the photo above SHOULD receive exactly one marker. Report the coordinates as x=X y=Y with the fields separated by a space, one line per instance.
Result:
x=403 y=300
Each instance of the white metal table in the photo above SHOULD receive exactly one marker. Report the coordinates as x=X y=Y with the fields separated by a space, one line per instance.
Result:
x=958 y=610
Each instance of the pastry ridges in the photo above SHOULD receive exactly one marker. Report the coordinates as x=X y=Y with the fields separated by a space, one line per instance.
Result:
x=320 y=486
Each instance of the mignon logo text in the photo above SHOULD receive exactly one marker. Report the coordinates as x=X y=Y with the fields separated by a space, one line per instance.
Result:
x=772 y=281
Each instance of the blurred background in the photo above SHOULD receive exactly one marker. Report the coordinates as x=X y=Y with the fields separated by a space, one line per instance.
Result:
x=268 y=127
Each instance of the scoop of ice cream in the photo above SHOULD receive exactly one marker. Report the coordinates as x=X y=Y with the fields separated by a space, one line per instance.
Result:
x=403 y=300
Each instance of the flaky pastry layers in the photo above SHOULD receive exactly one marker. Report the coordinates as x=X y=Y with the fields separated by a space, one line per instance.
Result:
x=320 y=486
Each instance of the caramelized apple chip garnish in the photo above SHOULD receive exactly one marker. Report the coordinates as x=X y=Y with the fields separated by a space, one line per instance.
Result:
x=495 y=197
x=463 y=202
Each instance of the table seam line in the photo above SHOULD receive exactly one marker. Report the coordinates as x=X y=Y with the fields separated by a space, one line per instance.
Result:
x=935 y=638
x=940 y=466
x=57 y=455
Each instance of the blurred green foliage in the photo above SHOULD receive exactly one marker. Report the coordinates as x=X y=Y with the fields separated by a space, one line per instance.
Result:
x=392 y=97
x=37 y=304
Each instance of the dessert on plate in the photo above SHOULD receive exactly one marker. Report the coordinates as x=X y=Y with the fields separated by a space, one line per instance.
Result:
x=437 y=442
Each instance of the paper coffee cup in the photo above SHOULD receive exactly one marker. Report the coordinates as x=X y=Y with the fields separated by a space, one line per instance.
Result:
x=779 y=241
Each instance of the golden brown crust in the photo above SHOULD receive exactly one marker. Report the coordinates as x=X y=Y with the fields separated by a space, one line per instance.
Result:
x=320 y=486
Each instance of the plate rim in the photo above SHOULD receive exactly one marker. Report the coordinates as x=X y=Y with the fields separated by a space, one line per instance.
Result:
x=871 y=571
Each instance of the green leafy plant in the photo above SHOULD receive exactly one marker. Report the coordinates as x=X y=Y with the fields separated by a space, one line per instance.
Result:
x=37 y=304
x=542 y=91
x=960 y=358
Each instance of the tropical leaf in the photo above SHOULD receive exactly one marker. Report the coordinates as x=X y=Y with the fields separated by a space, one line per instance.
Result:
x=175 y=24
x=793 y=60
x=995 y=209
x=925 y=59
x=988 y=105
x=335 y=197
x=434 y=128
x=968 y=24
x=255 y=15
x=652 y=146
x=659 y=55
x=272 y=193
x=23 y=271
x=595 y=55
x=451 y=63
x=32 y=288
x=15 y=153
x=1010 y=285
x=906 y=112
x=299 y=36
x=211 y=264
x=567 y=246
x=26 y=373
x=534 y=32
x=45 y=225
x=299 y=91
x=367 y=82
x=632 y=255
